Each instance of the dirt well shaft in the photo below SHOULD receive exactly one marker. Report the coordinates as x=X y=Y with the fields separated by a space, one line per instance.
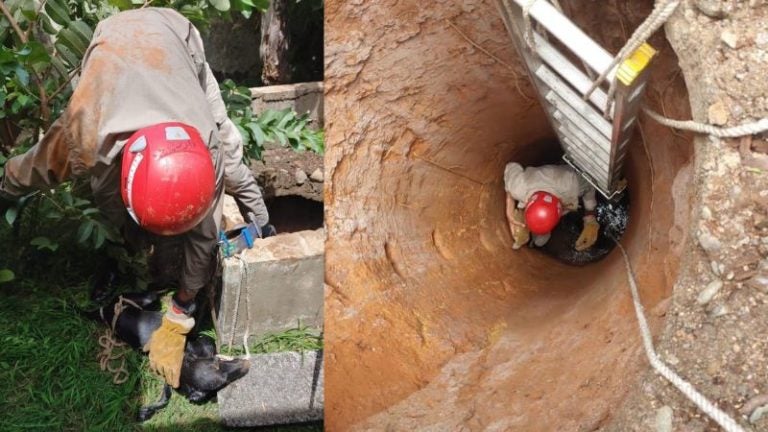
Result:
x=433 y=321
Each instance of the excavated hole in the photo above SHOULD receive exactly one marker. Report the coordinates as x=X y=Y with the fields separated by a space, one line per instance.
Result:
x=467 y=332
x=293 y=213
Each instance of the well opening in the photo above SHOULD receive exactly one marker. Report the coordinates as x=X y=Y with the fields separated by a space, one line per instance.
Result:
x=291 y=213
x=437 y=322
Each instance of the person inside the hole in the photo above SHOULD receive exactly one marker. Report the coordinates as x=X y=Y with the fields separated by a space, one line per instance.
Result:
x=537 y=197
x=147 y=125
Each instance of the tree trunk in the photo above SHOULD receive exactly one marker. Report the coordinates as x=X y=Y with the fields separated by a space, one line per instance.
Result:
x=275 y=41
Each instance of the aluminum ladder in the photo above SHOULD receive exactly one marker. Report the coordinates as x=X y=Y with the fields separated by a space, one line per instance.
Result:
x=595 y=142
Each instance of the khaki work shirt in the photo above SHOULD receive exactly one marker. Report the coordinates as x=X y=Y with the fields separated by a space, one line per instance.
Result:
x=142 y=67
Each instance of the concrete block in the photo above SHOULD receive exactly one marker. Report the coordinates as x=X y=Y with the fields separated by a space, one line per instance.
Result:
x=302 y=97
x=280 y=282
x=280 y=388
x=231 y=216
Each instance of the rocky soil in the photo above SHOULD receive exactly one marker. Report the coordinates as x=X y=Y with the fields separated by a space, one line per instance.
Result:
x=717 y=321
x=285 y=172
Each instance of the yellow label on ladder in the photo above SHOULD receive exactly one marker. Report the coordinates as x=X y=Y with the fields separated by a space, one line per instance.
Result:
x=632 y=66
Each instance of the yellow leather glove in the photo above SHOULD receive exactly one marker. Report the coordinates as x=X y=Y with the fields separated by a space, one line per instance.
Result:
x=520 y=232
x=588 y=235
x=166 y=346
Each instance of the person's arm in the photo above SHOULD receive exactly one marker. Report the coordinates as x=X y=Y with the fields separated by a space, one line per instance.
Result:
x=590 y=202
x=43 y=166
x=166 y=345
x=515 y=219
x=589 y=232
x=238 y=179
x=511 y=207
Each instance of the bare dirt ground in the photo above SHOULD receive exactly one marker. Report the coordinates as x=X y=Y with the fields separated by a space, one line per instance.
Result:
x=286 y=172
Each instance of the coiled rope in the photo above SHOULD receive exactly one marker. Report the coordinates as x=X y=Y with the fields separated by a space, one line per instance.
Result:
x=715 y=413
x=111 y=357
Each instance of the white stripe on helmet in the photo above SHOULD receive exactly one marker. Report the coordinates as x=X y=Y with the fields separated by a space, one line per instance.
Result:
x=129 y=186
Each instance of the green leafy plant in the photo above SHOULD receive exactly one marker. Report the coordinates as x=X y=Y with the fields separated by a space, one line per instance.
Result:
x=76 y=219
x=6 y=275
x=43 y=43
x=36 y=71
x=200 y=12
x=284 y=127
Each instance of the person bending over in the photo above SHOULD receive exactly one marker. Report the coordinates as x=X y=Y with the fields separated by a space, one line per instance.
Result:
x=537 y=197
x=147 y=125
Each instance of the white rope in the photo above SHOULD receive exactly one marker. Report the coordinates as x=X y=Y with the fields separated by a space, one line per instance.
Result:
x=723 y=419
x=661 y=12
x=729 y=132
x=243 y=281
x=247 y=331
x=528 y=31
x=237 y=303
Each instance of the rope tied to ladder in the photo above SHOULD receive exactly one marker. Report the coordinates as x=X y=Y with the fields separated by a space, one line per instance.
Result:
x=528 y=33
x=112 y=356
x=715 y=413
x=658 y=17
x=660 y=14
x=662 y=11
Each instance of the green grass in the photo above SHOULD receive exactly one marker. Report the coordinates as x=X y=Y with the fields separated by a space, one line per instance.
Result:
x=49 y=374
x=301 y=338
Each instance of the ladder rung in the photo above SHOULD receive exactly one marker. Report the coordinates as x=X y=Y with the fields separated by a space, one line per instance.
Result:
x=577 y=154
x=583 y=147
x=569 y=130
x=588 y=177
x=577 y=149
x=619 y=161
x=628 y=124
x=585 y=128
x=577 y=158
x=567 y=70
x=635 y=93
x=570 y=35
x=574 y=100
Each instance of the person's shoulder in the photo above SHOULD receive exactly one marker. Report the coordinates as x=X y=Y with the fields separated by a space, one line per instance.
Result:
x=559 y=168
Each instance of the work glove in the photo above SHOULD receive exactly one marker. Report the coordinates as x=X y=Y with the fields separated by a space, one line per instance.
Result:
x=166 y=345
x=520 y=232
x=588 y=235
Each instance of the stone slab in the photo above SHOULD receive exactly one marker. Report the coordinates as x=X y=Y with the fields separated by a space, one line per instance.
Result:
x=280 y=388
x=231 y=216
x=302 y=97
x=280 y=282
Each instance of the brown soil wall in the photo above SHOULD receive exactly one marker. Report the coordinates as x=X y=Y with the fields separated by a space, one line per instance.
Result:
x=433 y=321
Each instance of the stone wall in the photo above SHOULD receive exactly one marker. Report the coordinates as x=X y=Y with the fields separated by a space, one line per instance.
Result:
x=302 y=97
x=273 y=286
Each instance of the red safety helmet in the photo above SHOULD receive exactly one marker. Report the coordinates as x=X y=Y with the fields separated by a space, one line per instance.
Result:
x=542 y=213
x=167 y=179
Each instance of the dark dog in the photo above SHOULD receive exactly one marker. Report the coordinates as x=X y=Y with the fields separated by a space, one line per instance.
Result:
x=202 y=372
